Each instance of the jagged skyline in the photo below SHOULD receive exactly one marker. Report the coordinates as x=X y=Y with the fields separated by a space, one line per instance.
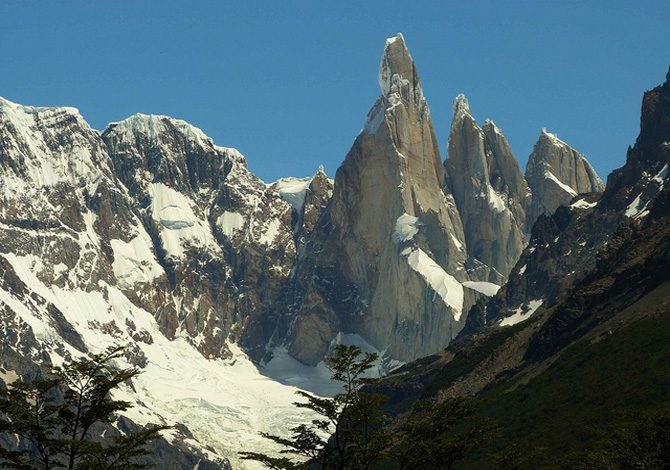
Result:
x=249 y=76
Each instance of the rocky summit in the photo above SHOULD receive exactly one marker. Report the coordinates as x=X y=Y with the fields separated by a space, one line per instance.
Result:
x=580 y=329
x=150 y=235
x=556 y=173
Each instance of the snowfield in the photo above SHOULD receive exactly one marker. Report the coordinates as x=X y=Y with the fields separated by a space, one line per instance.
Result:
x=521 y=313
x=224 y=403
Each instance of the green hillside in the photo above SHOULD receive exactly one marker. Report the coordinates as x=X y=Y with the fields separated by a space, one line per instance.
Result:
x=571 y=406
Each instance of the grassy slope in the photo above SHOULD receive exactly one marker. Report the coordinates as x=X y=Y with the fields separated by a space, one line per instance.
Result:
x=567 y=408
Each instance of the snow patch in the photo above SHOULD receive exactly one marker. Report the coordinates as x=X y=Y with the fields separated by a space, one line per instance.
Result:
x=583 y=204
x=661 y=176
x=487 y=288
x=496 y=202
x=268 y=237
x=375 y=117
x=134 y=262
x=522 y=314
x=444 y=284
x=459 y=245
x=553 y=138
x=230 y=223
x=549 y=175
x=181 y=228
x=406 y=227
x=293 y=190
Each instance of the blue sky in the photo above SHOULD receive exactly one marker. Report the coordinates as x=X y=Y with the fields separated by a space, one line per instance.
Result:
x=290 y=83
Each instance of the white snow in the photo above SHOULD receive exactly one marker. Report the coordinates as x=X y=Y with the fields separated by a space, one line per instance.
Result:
x=554 y=138
x=181 y=227
x=47 y=160
x=230 y=223
x=487 y=288
x=459 y=245
x=289 y=371
x=636 y=209
x=522 y=314
x=375 y=117
x=286 y=370
x=406 y=227
x=393 y=39
x=273 y=229
x=661 y=176
x=495 y=200
x=134 y=261
x=225 y=404
x=461 y=108
x=522 y=269
x=444 y=284
x=549 y=175
x=293 y=191
x=154 y=127
x=583 y=204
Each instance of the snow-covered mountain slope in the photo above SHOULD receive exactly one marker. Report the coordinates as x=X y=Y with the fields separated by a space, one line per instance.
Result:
x=90 y=259
x=224 y=239
x=151 y=235
x=223 y=403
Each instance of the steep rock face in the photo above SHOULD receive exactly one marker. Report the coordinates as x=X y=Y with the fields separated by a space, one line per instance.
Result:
x=308 y=198
x=388 y=256
x=602 y=315
x=556 y=173
x=489 y=190
x=64 y=213
x=223 y=238
x=75 y=260
x=565 y=247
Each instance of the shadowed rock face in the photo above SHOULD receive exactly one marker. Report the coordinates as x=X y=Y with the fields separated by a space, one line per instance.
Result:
x=566 y=246
x=556 y=173
x=489 y=189
x=600 y=269
x=219 y=233
x=360 y=275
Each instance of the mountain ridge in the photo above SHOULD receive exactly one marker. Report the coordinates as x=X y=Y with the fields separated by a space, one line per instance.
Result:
x=150 y=234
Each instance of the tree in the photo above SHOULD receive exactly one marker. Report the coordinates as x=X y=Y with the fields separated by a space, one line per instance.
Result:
x=54 y=417
x=440 y=434
x=643 y=445
x=348 y=432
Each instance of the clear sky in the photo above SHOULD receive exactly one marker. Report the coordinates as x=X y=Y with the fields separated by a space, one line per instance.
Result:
x=290 y=83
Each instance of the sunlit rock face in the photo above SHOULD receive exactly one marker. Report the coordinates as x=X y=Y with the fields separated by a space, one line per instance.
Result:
x=388 y=256
x=490 y=191
x=556 y=173
x=566 y=246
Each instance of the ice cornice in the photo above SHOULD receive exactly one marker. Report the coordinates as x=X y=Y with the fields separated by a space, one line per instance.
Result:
x=551 y=138
x=461 y=107
x=153 y=126
x=399 y=37
x=5 y=103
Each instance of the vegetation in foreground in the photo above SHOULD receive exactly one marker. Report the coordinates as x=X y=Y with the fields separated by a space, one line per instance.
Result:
x=56 y=420
x=352 y=430
x=603 y=405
